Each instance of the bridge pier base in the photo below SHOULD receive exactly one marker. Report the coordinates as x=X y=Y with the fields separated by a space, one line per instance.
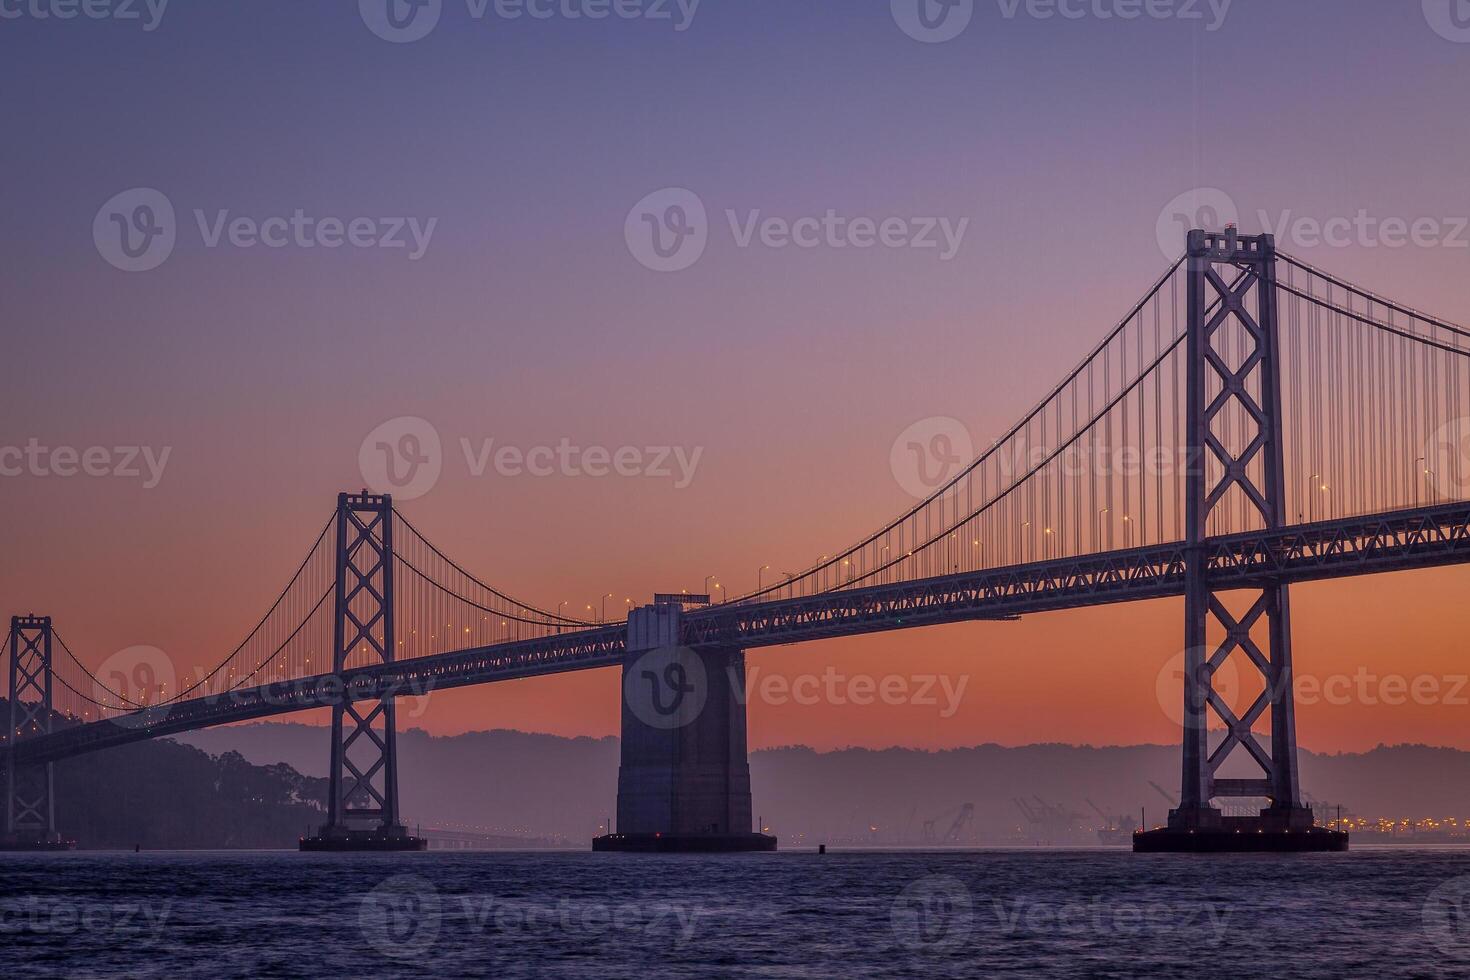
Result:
x=684 y=782
x=341 y=839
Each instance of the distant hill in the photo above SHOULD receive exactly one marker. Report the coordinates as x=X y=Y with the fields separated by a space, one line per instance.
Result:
x=560 y=786
x=163 y=794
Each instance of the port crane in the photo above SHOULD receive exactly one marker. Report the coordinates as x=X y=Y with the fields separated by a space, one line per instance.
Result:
x=964 y=817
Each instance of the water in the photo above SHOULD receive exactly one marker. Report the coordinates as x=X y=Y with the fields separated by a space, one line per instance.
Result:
x=1378 y=913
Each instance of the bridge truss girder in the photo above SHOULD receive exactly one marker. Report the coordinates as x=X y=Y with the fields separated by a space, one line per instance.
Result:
x=1424 y=537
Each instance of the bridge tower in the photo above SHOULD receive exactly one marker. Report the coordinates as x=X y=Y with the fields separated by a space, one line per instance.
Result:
x=684 y=782
x=30 y=805
x=362 y=803
x=1233 y=385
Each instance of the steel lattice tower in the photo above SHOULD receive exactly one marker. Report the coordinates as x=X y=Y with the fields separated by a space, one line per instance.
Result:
x=30 y=810
x=1239 y=380
x=364 y=767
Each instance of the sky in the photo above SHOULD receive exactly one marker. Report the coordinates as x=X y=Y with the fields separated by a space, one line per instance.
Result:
x=455 y=223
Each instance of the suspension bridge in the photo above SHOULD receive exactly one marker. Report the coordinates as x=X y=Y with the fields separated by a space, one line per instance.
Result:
x=1252 y=422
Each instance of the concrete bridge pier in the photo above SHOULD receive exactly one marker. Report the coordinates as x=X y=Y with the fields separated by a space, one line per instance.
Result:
x=684 y=782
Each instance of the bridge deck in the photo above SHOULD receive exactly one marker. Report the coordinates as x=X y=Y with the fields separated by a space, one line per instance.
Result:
x=1418 y=538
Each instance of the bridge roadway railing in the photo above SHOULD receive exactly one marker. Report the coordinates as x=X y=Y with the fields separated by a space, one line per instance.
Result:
x=573 y=650
x=1423 y=537
x=1418 y=538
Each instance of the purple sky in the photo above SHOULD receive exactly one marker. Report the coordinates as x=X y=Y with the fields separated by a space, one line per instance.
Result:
x=1060 y=142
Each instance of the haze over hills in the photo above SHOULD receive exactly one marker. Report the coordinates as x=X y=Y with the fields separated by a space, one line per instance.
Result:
x=548 y=785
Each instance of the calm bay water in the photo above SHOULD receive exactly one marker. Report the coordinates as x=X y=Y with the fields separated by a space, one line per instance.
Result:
x=1371 y=913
